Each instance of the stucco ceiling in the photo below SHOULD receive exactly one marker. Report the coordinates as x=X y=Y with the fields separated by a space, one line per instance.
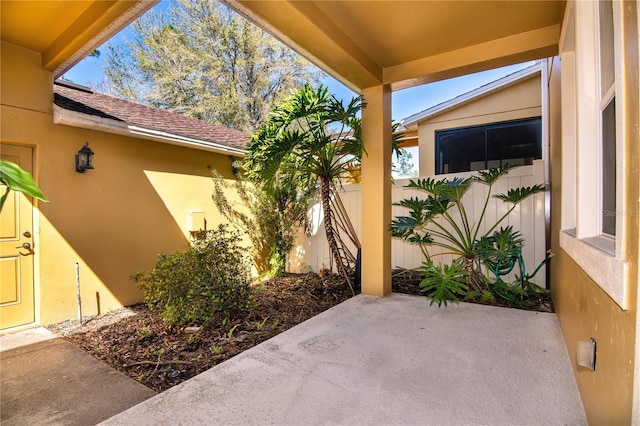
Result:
x=361 y=43
x=64 y=32
x=404 y=43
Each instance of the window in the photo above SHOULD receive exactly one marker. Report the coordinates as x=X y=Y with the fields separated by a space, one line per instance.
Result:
x=592 y=138
x=607 y=117
x=609 y=169
x=490 y=145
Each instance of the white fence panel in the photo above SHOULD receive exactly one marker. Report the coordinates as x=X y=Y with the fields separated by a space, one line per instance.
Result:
x=312 y=251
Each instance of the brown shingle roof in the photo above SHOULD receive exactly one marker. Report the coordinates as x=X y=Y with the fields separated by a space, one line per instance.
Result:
x=87 y=102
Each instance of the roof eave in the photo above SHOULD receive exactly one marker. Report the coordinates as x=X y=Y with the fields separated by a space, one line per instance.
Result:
x=519 y=76
x=96 y=26
x=92 y=122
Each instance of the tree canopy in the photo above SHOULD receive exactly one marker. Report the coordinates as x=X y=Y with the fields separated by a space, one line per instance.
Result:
x=404 y=167
x=203 y=60
x=312 y=138
x=311 y=133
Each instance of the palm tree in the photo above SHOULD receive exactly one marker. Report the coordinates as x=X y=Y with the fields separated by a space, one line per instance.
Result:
x=314 y=138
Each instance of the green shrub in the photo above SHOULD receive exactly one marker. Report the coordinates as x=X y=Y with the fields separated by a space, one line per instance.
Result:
x=440 y=220
x=206 y=285
x=270 y=219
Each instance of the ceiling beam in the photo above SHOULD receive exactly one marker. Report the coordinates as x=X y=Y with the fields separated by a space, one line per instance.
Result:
x=95 y=26
x=530 y=45
x=299 y=24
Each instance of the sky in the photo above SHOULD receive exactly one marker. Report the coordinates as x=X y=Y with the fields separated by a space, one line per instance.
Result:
x=404 y=103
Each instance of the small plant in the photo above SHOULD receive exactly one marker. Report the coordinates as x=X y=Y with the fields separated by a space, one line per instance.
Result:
x=208 y=284
x=144 y=333
x=432 y=223
x=231 y=331
x=262 y=323
x=443 y=284
x=193 y=338
x=275 y=324
x=501 y=253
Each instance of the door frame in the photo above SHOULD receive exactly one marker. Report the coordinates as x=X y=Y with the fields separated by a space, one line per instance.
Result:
x=36 y=241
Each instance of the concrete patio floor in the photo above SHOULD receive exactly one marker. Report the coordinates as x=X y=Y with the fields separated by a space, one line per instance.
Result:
x=392 y=360
x=45 y=380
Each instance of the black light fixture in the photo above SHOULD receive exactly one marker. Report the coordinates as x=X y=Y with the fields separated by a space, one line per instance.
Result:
x=84 y=158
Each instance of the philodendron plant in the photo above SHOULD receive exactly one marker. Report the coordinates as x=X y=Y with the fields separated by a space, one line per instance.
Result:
x=431 y=222
x=13 y=177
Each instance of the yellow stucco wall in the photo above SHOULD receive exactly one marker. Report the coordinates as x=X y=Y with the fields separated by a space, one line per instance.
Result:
x=522 y=100
x=113 y=220
x=583 y=308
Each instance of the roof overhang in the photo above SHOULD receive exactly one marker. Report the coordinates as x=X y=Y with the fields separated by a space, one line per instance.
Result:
x=102 y=124
x=363 y=44
x=407 y=43
x=411 y=122
x=64 y=32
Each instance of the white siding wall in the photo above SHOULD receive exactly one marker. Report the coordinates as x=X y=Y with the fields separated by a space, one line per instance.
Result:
x=312 y=252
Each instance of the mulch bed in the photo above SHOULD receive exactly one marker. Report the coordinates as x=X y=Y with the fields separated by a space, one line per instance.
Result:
x=135 y=341
x=408 y=281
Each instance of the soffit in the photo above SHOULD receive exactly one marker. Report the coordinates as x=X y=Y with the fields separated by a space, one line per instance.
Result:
x=404 y=43
x=64 y=32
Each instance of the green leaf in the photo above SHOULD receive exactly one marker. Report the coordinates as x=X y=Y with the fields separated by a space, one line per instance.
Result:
x=501 y=251
x=503 y=244
x=414 y=204
x=403 y=226
x=455 y=188
x=516 y=195
x=428 y=185
x=492 y=175
x=444 y=284
x=416 y=238
x=452 y=189
x=424 y=210
x=17 y=179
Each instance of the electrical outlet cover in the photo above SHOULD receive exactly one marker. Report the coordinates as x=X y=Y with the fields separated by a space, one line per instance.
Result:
x=587 y=354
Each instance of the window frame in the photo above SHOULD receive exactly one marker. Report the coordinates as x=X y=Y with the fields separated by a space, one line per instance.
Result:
x=485 y=127
x=598 y=254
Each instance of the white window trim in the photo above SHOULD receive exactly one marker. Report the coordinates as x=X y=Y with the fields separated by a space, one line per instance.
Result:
x=600 y=256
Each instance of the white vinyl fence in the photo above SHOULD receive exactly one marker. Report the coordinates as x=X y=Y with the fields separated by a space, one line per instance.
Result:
x=312 y=252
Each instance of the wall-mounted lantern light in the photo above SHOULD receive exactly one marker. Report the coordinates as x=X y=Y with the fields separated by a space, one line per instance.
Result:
x=84 y=158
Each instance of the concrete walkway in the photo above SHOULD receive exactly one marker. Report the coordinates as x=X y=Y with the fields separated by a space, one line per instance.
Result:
x=45 y=380
x=395 y=360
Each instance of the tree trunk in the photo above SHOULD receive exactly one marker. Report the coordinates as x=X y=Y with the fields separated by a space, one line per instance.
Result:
x=475 y=279
x=325 y=191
